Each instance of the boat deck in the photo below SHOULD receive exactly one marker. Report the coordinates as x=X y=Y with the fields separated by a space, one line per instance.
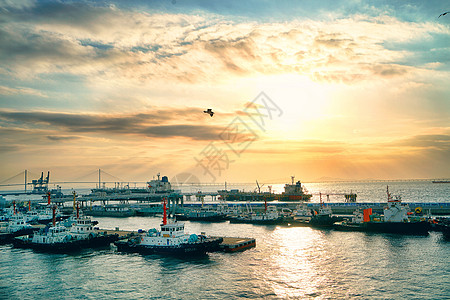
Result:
x=234 y=244
x=121 y=233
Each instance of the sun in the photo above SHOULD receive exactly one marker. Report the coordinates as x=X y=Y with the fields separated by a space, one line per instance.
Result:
x=302 y=101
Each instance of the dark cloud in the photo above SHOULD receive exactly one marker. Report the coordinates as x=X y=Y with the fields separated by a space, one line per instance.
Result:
x=192 y=131
x=8 y=148
x=87 y=16
x=62 y=138
x=389 y=70
x=150 y=124
x=436 y=141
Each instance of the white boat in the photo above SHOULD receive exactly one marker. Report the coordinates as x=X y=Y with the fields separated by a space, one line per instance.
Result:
x=171 y=239
x=60 y=238
x=302 y=213
x=270 y=215
x=17 y=225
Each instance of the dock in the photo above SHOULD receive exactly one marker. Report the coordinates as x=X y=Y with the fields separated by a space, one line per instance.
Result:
x=121 y=233
x=235 y=244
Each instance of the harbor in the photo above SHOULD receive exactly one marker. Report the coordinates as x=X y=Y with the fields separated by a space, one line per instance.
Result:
x=223 y=150
x=247 y=249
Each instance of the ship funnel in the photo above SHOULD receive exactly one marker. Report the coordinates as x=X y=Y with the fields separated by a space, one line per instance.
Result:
x=54 y=215
x=164 y=212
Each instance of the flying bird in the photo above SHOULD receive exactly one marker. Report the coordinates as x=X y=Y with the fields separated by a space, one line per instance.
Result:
x=443 y=14
x=209 y=111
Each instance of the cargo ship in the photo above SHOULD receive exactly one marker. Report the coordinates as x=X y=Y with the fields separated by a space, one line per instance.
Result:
x=292 y=192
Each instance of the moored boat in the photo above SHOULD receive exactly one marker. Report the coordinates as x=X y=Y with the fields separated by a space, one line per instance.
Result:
x=17 y=225
x=201 y=214
x=59 y=238
x=302 y=213
x=395 y=219
x=270 y=216
x=323 y=217
x=171 y=239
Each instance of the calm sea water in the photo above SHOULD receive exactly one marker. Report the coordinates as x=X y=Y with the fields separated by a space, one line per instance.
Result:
x=287 y=263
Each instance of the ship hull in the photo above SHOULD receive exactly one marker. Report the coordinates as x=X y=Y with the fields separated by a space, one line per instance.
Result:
x=324 y=221
x=6 y=238
x=188 y=249
x=278 y=221
x=216 y=218
x=66 y=247
x=412 y=228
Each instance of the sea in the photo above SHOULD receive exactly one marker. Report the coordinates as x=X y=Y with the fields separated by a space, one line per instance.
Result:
x=288 y=262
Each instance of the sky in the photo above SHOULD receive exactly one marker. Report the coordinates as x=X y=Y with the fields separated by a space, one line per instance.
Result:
x=321 y=90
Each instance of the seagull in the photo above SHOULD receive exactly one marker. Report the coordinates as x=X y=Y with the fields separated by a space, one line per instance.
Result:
x=209 y=111
x=443 y=14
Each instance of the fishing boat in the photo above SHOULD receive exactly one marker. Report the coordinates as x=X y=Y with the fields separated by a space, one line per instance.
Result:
x=302 y=213
x=270 y=216
x=59 y=238
x=171 y=239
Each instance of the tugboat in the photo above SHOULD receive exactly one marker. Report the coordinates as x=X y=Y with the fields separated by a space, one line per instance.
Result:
x=16 y=226
x=171 y=239
x=395 y=219
x=59 y=238
x=45 y=215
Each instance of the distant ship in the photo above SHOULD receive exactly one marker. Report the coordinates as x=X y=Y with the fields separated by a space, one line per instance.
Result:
x=292 y=192
x=440 y=181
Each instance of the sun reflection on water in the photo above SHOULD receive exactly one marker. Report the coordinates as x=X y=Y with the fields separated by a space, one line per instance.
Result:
x=295 y=262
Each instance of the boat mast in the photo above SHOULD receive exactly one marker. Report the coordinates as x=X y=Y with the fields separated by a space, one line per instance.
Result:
x=48 y=197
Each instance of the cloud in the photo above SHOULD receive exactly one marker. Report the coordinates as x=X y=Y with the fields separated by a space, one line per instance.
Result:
x=428 y=141
x=62 y=138
x=5 y=90
x=103 y=42
x=8 y=148
x=151 y=124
